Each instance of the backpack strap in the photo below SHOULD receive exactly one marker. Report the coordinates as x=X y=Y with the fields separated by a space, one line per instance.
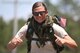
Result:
x=29 y=34
x=52 y=39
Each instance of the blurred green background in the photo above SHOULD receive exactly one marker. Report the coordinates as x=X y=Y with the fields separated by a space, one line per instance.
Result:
x=70 y=9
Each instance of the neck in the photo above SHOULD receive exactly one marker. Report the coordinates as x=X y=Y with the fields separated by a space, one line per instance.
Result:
x=39 y=23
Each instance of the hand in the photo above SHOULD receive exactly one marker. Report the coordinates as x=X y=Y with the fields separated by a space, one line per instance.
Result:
x=14 y=43
x=59 y=41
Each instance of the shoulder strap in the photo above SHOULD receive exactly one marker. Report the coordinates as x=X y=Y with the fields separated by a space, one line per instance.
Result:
x=29 y=34
x=52 y=39
x=50 y=21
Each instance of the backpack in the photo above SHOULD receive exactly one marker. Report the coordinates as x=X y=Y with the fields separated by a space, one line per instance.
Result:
x=46 y=30
x=62 y=21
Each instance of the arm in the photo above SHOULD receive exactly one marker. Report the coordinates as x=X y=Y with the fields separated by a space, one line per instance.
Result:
x=62 y=37
x=67 y=40
x=18 y=38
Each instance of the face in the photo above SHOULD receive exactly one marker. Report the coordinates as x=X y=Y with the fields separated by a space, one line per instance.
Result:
x=39 y=14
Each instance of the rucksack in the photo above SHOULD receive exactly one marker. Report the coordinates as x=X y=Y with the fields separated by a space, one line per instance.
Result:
x=46 y=30
x=62 y=21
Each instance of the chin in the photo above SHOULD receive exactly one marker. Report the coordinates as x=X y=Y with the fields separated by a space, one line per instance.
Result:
x=39 y=21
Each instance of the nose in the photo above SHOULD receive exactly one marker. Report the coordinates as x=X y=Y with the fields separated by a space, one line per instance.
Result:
x=39 y=14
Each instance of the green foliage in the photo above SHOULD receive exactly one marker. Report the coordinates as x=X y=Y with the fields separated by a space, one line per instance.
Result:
x=6 y=33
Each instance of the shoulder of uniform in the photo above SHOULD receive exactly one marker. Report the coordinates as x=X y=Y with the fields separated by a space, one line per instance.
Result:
x=53 y=18
x=49 y=20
